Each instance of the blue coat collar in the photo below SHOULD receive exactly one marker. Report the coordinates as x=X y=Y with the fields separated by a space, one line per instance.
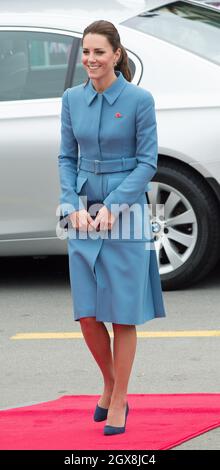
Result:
x=111 y=93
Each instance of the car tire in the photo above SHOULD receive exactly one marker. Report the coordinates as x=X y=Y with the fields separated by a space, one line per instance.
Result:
x=197 y=194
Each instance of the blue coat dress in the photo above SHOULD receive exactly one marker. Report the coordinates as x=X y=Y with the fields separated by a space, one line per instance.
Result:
x=108 y=155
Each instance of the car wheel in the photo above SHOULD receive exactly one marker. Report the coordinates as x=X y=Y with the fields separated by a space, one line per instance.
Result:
x=185 y=224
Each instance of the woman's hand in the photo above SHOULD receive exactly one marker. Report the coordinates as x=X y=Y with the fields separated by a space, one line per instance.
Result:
x=105 y=219
x=82 y=220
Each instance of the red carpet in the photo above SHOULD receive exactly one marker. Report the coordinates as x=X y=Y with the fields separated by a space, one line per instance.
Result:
x=154 y=422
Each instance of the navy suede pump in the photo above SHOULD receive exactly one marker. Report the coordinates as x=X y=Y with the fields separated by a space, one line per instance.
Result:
x=100 y=413
x=110 y=430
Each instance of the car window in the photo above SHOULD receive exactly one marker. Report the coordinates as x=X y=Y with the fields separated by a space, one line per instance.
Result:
x=33 y=65
x=191 y=27
x=213 y=4
x=80 y=74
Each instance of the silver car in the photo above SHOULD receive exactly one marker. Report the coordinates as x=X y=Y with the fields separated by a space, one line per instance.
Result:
x=174 y=51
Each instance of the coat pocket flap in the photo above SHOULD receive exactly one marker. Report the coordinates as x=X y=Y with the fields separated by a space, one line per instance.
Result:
x=80 y=182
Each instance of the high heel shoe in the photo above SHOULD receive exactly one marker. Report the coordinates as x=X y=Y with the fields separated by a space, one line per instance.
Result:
x=100 y=413
x=109 y=430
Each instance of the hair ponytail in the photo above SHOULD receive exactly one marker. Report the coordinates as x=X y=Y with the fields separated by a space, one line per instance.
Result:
x=123 y=64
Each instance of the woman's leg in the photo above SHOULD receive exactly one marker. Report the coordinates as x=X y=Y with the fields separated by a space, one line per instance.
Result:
x=98 y=340
x=125 y=341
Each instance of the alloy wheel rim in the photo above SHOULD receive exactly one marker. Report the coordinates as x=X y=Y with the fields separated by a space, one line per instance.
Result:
x=174 y=226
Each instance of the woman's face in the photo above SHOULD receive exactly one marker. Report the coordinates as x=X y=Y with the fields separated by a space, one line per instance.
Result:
x=97 y=52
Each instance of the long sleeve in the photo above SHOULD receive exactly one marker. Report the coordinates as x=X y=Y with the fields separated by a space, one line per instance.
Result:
x=67 y=161
x=146 y=153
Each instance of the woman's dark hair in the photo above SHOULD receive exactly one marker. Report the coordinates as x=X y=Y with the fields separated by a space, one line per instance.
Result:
x=107 y=29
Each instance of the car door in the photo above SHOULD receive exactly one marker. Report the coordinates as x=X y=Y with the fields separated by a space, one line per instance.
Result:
x=35 y=68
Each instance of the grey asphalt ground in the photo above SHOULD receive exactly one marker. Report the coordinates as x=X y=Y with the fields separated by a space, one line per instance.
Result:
x=35 y=297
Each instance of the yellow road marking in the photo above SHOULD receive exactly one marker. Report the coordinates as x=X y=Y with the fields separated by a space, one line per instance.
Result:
x=140 y=334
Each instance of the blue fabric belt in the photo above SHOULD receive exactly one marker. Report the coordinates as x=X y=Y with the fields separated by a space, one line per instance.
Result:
x=107 y=166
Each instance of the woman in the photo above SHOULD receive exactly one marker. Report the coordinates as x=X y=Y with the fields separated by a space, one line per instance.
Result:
x=113 y=279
